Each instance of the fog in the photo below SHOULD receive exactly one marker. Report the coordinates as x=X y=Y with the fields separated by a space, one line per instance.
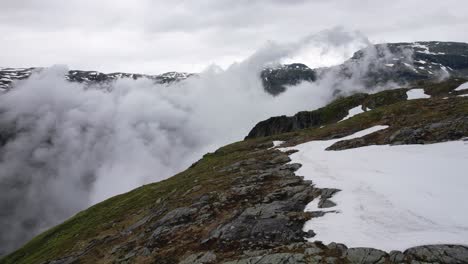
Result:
x=74 y=146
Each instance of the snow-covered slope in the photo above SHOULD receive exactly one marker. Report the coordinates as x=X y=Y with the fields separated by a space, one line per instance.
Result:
x=392 y=197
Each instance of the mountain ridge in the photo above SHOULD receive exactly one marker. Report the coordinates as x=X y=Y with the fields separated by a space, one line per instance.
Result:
x=400 y=63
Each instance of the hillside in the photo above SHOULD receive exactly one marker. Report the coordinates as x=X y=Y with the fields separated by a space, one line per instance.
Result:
x=245 y=203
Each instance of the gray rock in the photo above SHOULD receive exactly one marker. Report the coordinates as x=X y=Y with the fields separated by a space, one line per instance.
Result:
x=337 y=249
x=291 y=166
x=396 y=256
x=313 y=249
x=282 y=158
x=439 y=253
x=145 y=252
x=326 y=203
x=200 y=258
x=366 y=255
x=279 y=258
x=178 y=216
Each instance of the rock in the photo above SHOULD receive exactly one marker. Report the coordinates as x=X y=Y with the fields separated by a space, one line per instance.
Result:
x=144 y=252
x=396 y=256
x=453 y=129
x=326 y=193
x=365 y=255
x=312 y=249
x=275 y=80
x=326 y=203
x=282 y=158
x=200 y=258
x=279 y=258
x=337 y=249
x=291 y=166
x=439 y=253
x=177 y=216
x=310 y=234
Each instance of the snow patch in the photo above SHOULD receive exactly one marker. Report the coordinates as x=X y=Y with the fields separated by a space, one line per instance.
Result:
x=352 y=112
x=276 y=143
x=392 y=197
x=462 y=87
x=416 y=94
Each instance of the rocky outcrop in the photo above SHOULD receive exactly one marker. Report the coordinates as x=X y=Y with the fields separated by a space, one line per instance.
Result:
x=332 y=113
x=275 y=80
x=446 y=130
x=339 y=253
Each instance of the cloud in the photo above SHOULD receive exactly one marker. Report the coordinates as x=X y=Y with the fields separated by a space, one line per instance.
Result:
x=156 y=36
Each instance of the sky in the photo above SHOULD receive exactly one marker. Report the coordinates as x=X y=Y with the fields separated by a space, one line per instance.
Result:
x=153 y=36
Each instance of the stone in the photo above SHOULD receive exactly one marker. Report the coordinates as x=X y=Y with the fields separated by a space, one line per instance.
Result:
x=365 y=255
x=326 y=203
x=337 y=249
x=449 y=254
x=200 y=258
x=396 y=256
x=313 y=249
x=278 y=258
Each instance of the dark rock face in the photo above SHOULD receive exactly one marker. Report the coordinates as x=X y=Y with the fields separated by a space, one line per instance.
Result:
x=334 y=112
x=275 y=80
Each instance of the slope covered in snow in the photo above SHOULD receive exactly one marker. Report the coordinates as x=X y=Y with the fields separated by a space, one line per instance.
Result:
x=392 y=197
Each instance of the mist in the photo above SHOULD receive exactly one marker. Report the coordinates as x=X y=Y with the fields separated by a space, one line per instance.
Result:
x=73 y=146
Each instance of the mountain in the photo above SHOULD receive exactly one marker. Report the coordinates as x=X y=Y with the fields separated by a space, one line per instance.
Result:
x=9 y=75
x=380 y=64
x=246 y=202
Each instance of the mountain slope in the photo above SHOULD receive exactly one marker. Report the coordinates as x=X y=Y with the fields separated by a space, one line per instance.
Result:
x=244 y=202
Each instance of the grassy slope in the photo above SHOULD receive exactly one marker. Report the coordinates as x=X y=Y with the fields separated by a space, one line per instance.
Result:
x=119 y=212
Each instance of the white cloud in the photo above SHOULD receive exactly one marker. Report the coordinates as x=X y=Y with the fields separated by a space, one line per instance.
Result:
x=156 y=36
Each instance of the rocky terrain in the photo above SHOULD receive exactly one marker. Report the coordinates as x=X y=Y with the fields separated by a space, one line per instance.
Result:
x=244 y=203
x=381 y=64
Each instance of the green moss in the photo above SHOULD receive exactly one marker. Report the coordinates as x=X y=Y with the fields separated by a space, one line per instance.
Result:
x=383 y=98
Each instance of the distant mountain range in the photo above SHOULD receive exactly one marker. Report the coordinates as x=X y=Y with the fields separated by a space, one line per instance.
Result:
x=392 y=62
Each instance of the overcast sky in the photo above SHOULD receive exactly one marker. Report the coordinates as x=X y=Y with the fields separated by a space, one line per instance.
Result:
x=152 y=36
